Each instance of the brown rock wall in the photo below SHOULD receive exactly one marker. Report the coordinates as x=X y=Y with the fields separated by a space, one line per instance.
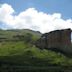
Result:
x=56 y=40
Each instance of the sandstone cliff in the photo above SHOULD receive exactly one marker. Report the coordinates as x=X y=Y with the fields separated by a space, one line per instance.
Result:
x=58 y=40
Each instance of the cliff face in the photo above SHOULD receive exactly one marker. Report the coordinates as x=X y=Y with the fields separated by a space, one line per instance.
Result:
x=58 y=40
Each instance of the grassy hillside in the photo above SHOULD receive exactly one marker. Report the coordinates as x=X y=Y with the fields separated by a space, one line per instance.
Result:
x=17 y=46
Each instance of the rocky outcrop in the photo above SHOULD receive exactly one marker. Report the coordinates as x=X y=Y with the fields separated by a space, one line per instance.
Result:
x=58 y=40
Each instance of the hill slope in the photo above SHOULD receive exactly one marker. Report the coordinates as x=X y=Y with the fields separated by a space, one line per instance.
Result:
x=17 y=46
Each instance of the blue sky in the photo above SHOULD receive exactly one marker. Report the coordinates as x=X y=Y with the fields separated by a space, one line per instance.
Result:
x=39 y=15
x=48 y=6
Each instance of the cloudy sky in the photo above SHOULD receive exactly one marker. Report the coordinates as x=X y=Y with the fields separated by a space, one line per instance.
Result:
x=38 y=15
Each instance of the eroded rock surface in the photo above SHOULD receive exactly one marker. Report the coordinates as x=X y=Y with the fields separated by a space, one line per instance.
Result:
x=58 y=40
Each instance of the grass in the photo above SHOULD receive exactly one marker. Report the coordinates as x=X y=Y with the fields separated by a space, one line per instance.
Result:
x=22 y=53
x=26 y=53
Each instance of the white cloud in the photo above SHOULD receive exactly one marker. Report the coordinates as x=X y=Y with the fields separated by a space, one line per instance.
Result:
x=33 y=19
x=5 y=11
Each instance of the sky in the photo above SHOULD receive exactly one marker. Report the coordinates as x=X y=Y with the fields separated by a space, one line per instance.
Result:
x=38 y=15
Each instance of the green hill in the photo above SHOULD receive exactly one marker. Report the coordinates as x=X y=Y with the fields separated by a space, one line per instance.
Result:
x=18 y=46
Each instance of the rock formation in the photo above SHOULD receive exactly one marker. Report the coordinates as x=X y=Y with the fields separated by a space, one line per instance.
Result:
x=58 y=40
